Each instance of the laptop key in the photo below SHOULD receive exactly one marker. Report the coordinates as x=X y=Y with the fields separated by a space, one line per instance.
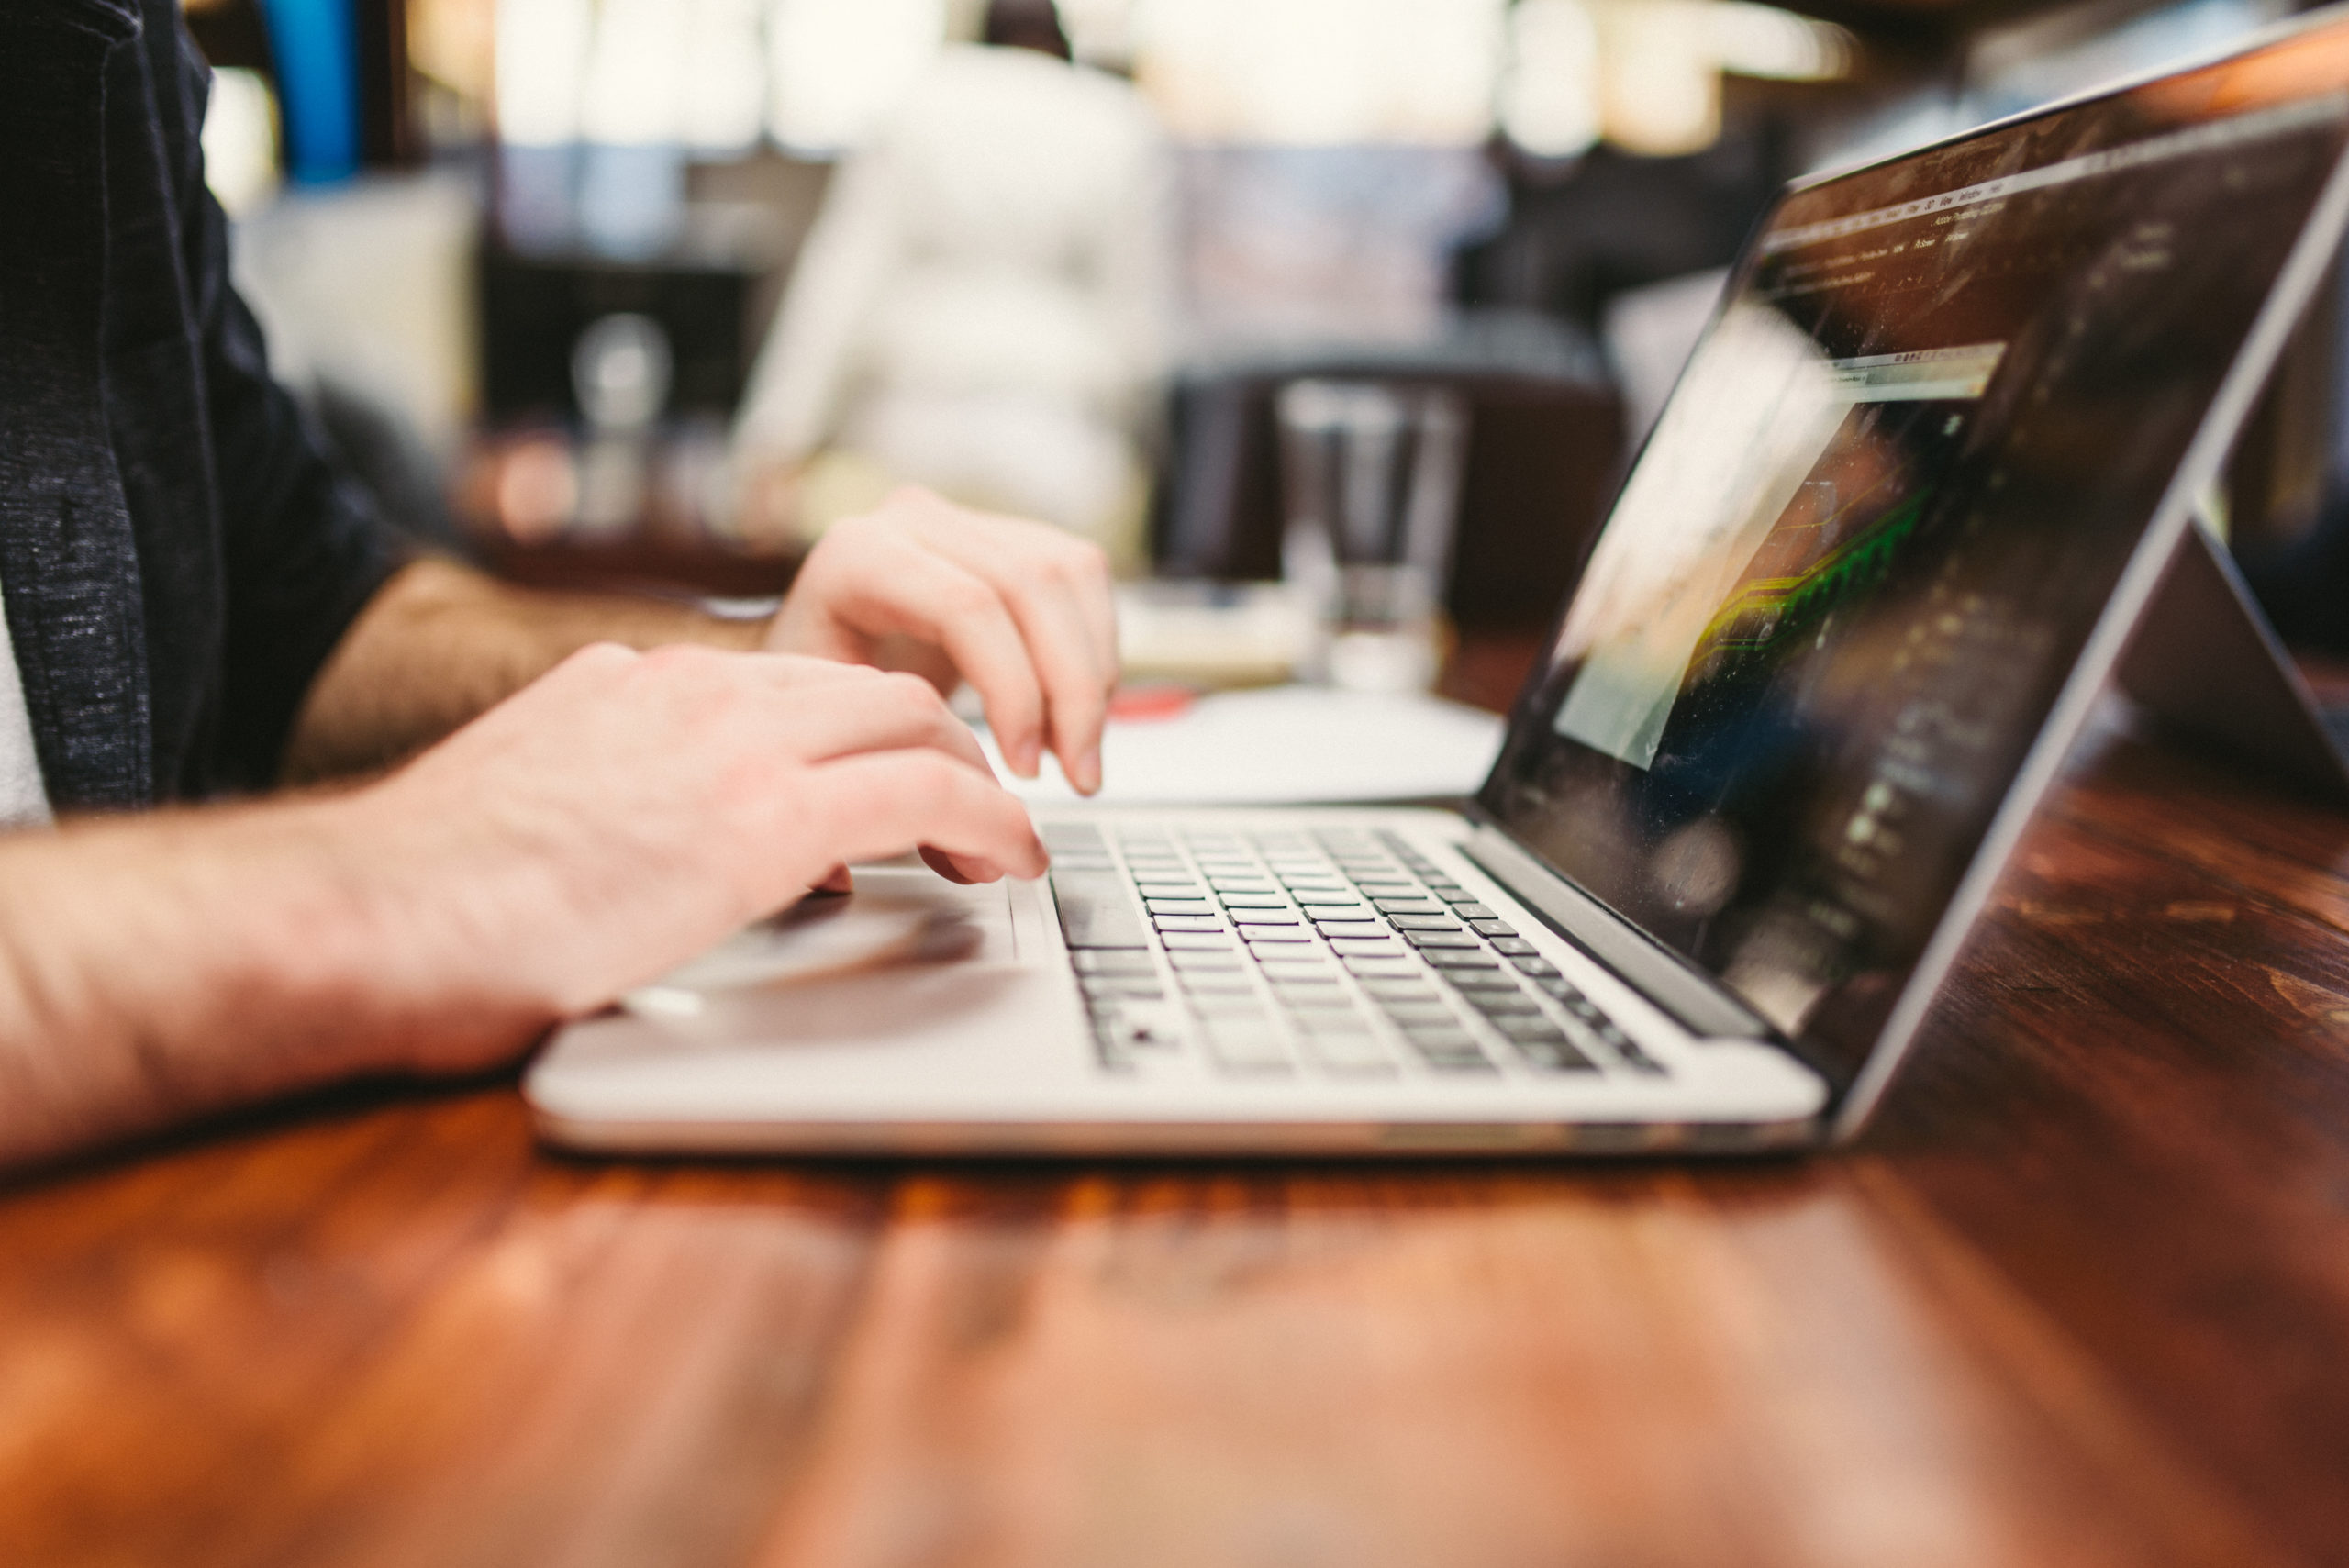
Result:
x=1247 y=1046
x=1469 y=909
x=1195 y=942
x=1179 y=905
x=1455 y=958
x=1113 y=963
x=1186 y=922
x=1491 y=928
x=1494 y=1004
x=1555 y=1056
x=1411 y=990
x=1096 y=912
x=1513 y=947
x=1328 y=1021
x=1452 y=1053
x=1423 y=923
x=1101 y=986
x=1290 y=986
x=1348 y=1053
x=1215 y=982
x=1455 y=938
x=1539 y=967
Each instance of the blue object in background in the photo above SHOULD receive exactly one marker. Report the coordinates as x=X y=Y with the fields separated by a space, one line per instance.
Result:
x=316 y=45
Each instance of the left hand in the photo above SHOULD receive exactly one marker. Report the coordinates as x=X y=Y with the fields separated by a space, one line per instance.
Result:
x=1020 y=610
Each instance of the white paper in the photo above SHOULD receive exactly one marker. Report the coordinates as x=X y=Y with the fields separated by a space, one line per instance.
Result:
x=1283 y=746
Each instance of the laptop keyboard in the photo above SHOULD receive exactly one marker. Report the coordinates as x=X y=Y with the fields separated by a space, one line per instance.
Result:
x=1337 y=952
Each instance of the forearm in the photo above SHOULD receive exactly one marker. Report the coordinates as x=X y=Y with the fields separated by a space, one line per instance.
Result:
x=441 y=643
x=155 y=970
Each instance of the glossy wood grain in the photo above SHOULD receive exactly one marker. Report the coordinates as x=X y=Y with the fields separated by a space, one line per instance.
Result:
x=2080 y=1297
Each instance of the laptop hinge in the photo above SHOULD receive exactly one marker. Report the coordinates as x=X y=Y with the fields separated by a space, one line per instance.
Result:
x=1700 y=1004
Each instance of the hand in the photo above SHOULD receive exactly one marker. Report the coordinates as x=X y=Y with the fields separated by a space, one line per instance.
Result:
x=629 y=809
x=1020 y=610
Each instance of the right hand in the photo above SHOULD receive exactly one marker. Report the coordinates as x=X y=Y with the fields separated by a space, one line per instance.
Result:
x=627 y=810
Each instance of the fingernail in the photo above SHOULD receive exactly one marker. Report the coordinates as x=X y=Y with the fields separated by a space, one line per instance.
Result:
x=1089 y=770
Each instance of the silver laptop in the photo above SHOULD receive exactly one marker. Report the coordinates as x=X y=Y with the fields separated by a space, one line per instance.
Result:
x=1922 y=477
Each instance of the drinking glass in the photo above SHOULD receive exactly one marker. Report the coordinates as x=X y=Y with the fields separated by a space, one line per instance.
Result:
x=1371 y=479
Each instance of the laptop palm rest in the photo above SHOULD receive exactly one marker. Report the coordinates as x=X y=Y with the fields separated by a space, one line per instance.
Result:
x=909 y=962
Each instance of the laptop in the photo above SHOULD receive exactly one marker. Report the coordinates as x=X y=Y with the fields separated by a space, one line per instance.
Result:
x=1935 y=459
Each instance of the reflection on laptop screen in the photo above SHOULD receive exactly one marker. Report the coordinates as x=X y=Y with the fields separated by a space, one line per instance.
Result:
x=1847 y=579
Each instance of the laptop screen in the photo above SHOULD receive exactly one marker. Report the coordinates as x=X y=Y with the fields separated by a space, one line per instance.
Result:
x=1847 y=578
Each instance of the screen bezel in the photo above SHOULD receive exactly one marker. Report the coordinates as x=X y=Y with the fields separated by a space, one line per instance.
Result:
x=1856 y=1087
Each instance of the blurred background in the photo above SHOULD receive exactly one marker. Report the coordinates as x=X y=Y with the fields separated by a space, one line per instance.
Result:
x=649 y=293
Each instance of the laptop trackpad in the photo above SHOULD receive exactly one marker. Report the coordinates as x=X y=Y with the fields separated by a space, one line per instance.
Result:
x=897 y=917
x=906 y=952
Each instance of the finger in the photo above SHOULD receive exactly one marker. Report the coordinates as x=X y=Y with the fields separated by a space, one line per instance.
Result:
x=812 y=670
x=913 y=589
x=1007 y=548
x=837 y=880
x=1076 y=690
x=947 y=866
x=886 y=713
x=1046 y=586
x=886 y=802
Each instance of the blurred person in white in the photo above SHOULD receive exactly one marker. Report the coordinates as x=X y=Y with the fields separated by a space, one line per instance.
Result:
x=544 y=799
x=979 y=307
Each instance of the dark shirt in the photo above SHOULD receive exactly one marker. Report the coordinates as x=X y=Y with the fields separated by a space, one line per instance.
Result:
x=177 y=555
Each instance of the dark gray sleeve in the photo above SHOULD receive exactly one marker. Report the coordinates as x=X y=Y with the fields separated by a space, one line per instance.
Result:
x=302 y=547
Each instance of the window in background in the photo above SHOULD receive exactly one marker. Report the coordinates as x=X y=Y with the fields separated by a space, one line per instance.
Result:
x=722 y=110
x=541 y=52
x=1321 y=72
x=241 y=141
x=1661 y=65
x=1549 y=91
x=452 y=52
x=599 y=107
x=835 y=69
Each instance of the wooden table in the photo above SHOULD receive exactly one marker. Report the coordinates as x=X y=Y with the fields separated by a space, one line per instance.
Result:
x=2081 y=1298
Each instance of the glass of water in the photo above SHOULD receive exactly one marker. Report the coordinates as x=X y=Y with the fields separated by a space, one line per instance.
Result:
x=1370 y=476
